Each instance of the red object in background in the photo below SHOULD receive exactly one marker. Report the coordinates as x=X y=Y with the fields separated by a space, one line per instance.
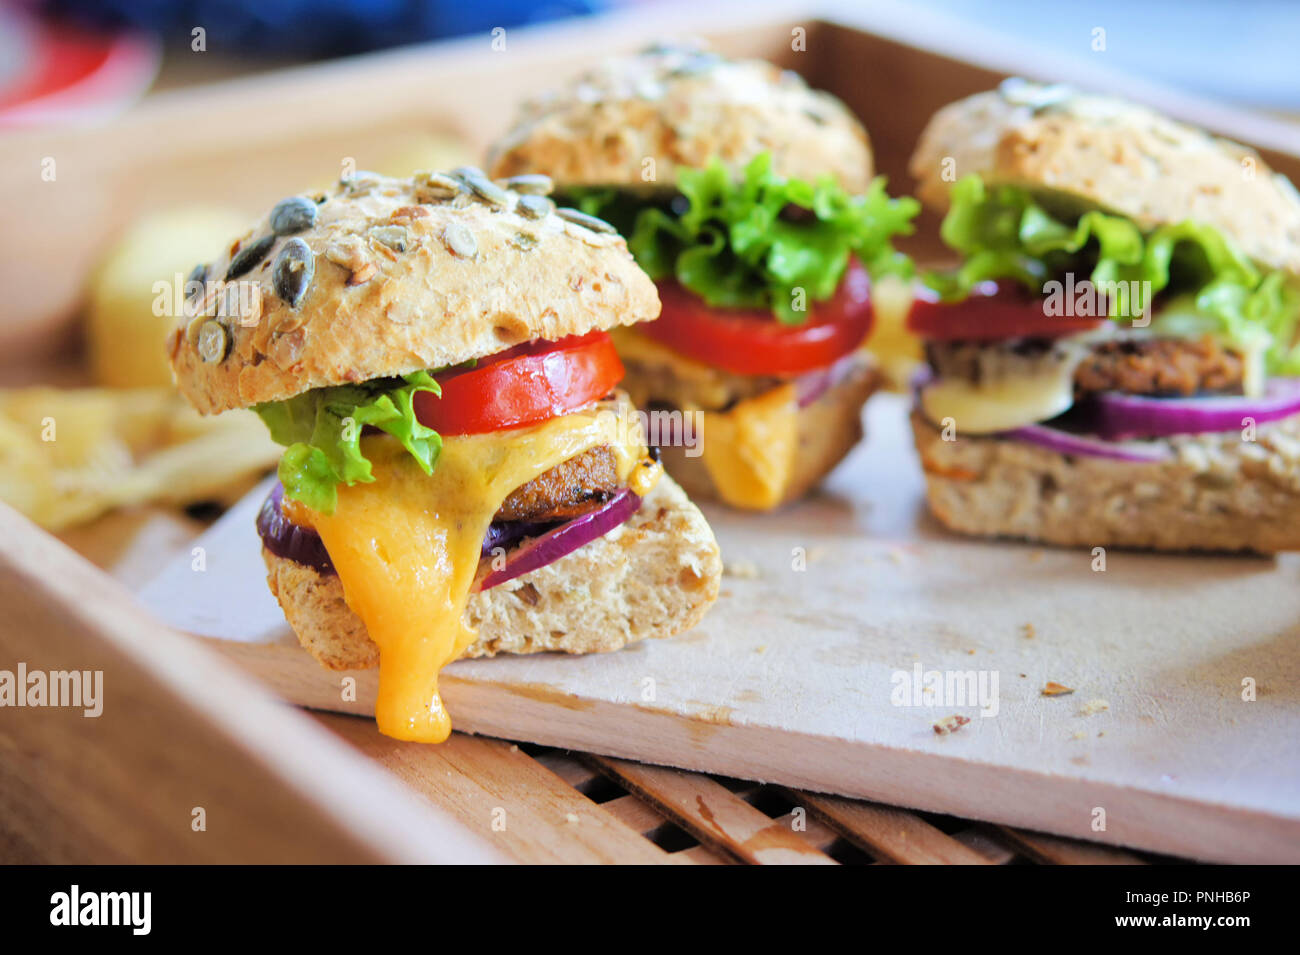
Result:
x=522 y=385
x=755 y=343
x=57 y=74
x=994 y=311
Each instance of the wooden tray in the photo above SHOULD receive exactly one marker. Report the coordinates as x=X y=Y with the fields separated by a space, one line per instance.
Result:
x=792 y=676
x=182 y=729
x=579 y=808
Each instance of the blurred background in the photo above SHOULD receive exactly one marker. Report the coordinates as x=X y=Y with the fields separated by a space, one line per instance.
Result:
x=1241 y=51
x=108 y=51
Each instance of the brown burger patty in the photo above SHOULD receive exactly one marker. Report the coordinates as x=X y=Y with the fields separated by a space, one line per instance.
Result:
x=1159 y=366
x=1136 y=366
x=565 y=491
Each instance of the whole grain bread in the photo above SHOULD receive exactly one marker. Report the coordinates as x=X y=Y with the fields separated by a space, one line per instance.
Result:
x=680 y=105
x=653 y=576
x=396 y=275
x=1097 y=151
x=1216 y=492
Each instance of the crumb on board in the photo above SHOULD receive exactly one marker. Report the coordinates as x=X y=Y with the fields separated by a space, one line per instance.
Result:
x=1052 y=688
x=1078 y=734
x=1093 y=707
x=1028 y=631
x=895 y=555
x=949 y=724
x=741 y=569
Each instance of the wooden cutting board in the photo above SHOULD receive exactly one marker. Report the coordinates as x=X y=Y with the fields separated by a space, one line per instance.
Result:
x=797 y=673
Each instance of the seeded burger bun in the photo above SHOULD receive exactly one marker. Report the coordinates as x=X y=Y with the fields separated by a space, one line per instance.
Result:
x=1100 y=151
x=388 y=276
x=682 y=106
x=383 y=277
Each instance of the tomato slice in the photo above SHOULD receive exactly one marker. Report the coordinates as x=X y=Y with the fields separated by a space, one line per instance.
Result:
x=755 y=343
x=992 y=312
x=522 y=385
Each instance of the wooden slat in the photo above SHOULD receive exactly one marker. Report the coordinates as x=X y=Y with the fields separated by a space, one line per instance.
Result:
x=634 y=813
x=894 y=835
x=637 y=814
x=817 y=834
x=1053 y=850
x=713 y=814
x=474 y=777
x=572 y=770
x=698 y=855
x=978 y=839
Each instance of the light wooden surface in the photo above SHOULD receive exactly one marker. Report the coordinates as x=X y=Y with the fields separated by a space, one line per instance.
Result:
x=554 y=806
x=473 y=778
x=789 y=678
x=179 y=731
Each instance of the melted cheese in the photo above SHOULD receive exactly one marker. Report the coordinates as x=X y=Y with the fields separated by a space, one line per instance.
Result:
x=407 y=546
x=644 y=476
x=897 y=349
x=662 y=374
x=1002 y=404
x=749 y=451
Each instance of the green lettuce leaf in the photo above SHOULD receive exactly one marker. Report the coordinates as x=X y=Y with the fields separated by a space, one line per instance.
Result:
x=1004 y=233
x=752 y=242
x=322 y=429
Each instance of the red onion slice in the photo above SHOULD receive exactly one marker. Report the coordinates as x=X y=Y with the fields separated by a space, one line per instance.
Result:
x=285 y=539
x=1114 y=416
x=565 y=539
x=544 y=543
x=813 y=384
x=508 y=533
x=1066 y=442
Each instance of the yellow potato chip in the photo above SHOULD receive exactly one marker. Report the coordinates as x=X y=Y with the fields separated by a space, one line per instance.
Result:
x=139 y=286
x=67 y=456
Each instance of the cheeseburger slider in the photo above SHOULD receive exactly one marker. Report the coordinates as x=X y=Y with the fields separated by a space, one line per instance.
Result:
x=1111 y=361
x=749 y=199
x=461 y=475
